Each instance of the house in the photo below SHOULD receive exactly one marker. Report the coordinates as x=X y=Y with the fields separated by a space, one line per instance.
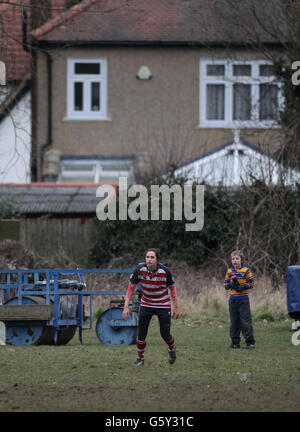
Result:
x=15 y=116
x=52 y=217
x=162 y=82
x=236 y=163
x=15 y=94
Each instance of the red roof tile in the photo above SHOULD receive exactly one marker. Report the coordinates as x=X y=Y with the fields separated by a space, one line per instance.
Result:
x=164 y=21
x=60 y=19
x=17 y=60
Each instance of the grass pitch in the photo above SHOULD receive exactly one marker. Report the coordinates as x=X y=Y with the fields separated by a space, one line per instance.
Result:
x=207 y=376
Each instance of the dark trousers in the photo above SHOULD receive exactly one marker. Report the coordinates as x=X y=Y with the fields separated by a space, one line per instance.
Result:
x=164 y=318
x=240 y=320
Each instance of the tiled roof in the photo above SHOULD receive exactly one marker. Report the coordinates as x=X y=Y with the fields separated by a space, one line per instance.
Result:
x=12 y=52
x=16 y=59
x=52 y=198
x=158 y=21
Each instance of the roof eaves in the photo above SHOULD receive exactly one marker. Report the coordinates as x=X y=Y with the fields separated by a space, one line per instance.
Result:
x=169 y=43
x=222 y=147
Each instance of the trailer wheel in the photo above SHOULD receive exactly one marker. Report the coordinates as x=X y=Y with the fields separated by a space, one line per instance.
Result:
x=24 y=332
x=114 y=335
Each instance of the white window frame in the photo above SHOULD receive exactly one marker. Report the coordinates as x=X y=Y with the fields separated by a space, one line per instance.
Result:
x=86 y=114
x=228 y=81
x=96 y=170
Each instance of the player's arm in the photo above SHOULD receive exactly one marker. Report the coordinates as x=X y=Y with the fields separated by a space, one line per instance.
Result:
x=173 y=292
x=130 y=290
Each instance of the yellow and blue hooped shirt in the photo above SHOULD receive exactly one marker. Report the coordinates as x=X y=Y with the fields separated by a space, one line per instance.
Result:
x=245 y=279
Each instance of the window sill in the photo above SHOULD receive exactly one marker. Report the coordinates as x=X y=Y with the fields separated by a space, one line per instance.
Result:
x=88 y=119
x=239 y=125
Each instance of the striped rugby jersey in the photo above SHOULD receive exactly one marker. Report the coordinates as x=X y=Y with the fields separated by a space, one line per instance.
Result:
x=154 y=285
x=245 y=278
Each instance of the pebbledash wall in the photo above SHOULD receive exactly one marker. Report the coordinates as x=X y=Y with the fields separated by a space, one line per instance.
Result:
x=159 y=115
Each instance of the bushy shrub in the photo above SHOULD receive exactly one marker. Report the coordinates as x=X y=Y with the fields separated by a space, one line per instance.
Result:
x=261 y=220
x=117 y=238
x=8 y=208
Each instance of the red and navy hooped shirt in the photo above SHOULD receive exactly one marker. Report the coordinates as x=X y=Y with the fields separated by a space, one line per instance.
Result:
x=154 y=285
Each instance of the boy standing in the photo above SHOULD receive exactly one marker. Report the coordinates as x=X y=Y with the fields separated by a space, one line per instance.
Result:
x=239 y=279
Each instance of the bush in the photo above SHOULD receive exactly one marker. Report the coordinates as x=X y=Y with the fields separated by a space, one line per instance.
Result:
x=9 y=209
x=263 y=314
x=117 y=238
x=261 y=220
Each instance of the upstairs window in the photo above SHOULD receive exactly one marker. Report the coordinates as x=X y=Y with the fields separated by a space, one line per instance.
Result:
x=239 y=94
x=87 y=89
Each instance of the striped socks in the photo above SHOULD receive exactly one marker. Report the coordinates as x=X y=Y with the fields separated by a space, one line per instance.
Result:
x=141 y=346
x=171 y=344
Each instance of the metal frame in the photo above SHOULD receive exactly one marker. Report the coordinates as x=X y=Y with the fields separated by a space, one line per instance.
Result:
x=50 y=278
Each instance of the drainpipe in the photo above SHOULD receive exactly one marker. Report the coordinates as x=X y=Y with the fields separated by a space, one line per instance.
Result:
x=27 y=47
x=49 y=90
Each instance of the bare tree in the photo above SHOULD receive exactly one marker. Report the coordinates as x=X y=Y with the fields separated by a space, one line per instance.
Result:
x=272 y=28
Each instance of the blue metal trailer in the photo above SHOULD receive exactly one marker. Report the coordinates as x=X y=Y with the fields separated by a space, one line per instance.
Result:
x=45 y=306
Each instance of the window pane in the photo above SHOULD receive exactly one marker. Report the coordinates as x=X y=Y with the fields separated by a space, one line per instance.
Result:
x=113 y=177
x=215 y=102
x=78 y=96
x=241 y=102
x=78 y=167
x=242 y=70
x=115 y=166
x=65 y=178
x=87 y=68
x=266 y=70
x=95 y=96
x=268 y=102
x=215 y=70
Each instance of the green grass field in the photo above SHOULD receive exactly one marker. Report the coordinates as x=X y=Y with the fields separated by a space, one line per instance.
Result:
x=207 y=376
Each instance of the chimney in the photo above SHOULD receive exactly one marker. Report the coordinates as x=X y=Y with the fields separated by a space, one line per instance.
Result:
x=51 y=165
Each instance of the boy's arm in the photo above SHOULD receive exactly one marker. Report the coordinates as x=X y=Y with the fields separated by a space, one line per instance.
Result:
x=227 y=282
x=250 y=280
